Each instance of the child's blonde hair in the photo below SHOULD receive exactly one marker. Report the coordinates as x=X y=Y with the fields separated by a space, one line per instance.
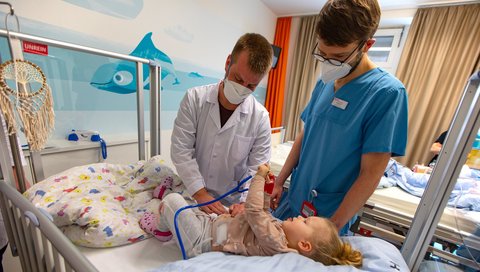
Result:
x=330 y=250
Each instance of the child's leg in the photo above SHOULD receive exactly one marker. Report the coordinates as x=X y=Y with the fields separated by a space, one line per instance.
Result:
x=149 y=223
x=163 y=188
x=194 y=226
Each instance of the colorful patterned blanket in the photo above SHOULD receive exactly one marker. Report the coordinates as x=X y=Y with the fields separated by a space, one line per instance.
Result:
x=99 y=205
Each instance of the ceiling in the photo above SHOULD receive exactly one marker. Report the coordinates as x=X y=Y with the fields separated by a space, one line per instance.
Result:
x=304 y=7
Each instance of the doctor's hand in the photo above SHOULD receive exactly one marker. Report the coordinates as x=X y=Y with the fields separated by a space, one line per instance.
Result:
x=275 y=197
x=202 y=196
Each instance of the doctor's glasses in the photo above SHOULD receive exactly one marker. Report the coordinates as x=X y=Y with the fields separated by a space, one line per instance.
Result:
x=335 y=62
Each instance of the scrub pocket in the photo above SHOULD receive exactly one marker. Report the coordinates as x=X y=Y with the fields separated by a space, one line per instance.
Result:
x=327 y=204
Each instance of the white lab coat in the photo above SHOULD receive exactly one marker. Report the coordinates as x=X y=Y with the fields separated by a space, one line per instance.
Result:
x=209 y=156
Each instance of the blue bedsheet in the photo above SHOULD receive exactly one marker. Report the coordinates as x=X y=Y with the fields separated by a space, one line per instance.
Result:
x=465 y=195
x=379 y=255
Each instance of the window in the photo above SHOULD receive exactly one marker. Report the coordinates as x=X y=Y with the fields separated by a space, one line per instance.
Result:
x=387 y=48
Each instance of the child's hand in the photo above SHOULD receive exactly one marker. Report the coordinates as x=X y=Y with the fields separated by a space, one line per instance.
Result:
x=236 y=209
x=263 y=170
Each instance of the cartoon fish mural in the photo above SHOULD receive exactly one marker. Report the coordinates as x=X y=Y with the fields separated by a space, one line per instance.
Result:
x=195 y=74
x=119 y=77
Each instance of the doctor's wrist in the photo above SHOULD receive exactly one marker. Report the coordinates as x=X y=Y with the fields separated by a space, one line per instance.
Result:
x=200 y=193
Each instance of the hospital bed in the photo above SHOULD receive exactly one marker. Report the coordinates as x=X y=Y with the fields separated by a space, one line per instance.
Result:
x=389 y=212
x=416 y=224
x=43 y=247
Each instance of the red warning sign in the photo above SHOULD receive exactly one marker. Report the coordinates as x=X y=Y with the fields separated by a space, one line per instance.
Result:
x=35 y=48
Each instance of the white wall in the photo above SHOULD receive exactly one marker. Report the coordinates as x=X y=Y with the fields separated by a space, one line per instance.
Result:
x=396 y=18
x=200 y=31
x=197 y=35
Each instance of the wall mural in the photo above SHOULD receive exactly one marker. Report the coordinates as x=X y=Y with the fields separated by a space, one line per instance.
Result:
x=99 y=93
x=119 y=77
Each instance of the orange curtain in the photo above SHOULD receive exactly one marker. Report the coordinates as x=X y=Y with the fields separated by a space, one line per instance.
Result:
x=276 y=78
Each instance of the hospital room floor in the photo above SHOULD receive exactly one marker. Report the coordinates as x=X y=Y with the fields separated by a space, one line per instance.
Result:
x=11 y=263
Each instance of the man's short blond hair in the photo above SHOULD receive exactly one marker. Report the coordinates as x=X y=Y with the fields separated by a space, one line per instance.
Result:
x=260 y=51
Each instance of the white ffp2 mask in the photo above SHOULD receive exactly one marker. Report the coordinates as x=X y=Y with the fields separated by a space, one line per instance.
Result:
x=330 y=72
x=234 y=92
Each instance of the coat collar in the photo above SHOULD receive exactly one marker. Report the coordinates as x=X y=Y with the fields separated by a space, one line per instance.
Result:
x=244 y=108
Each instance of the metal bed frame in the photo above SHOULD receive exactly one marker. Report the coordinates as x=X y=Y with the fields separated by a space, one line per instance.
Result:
x=423 y=227
x=155 y=102
x=34 y=237
x=393 y=226
x=43 y=247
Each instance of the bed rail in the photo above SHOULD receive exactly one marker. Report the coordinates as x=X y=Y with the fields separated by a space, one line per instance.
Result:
x=458 y=143
x=33 y=236
x=392 y=226
x=155 y=100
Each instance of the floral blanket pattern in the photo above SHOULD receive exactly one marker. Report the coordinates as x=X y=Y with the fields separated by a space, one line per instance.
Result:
x=99 y=205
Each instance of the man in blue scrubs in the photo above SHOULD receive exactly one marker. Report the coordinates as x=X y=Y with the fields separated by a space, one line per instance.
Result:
x=355 y=121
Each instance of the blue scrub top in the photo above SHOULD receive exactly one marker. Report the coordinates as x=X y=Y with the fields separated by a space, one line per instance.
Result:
x=370 y=115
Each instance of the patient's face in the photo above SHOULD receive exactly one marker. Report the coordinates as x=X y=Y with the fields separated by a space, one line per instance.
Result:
x=300 y=229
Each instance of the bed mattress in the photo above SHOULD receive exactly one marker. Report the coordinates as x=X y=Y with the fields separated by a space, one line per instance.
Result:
x=398 y=201
x=140 y=256
x=279 y=156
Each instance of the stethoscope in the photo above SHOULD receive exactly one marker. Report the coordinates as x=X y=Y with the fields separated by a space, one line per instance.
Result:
x=175 y=222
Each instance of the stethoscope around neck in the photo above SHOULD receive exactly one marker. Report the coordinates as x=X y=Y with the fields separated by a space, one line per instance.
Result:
x=175 y=222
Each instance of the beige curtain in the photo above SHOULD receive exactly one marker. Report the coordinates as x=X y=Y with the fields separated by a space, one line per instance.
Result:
x=303 y=76
x=441 y=52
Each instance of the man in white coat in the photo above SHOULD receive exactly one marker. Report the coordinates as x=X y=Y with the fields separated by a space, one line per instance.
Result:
x=221 y=133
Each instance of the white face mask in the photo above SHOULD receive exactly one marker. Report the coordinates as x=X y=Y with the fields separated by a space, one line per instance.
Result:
x=234 y=92
x=330 y=72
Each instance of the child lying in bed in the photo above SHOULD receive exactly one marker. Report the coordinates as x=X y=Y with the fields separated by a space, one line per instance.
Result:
x=255 y=232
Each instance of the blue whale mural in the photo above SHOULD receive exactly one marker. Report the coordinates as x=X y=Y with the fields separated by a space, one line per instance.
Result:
x=119 y=77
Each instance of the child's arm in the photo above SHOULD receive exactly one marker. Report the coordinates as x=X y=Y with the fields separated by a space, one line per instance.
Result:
x=256 y=190
x=259 y=218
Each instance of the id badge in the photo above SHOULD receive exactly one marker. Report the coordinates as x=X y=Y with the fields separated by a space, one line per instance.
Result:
x=308 y=209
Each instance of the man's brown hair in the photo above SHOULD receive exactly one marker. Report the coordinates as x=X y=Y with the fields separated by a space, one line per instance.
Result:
x=260 y=52
x=342 y=22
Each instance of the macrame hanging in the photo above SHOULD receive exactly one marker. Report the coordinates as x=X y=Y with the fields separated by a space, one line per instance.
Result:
x=30 y=101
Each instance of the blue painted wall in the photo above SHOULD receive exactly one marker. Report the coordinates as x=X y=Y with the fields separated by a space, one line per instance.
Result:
x=94 y=92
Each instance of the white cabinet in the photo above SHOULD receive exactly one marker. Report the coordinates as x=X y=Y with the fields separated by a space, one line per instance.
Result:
x=64 y=155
